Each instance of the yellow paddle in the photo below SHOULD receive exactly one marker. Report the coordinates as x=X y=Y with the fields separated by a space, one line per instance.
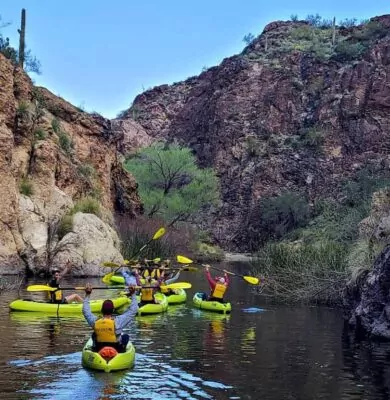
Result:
x=106 y=278
x=47 y=288
x=127 y=262
x=250 y=279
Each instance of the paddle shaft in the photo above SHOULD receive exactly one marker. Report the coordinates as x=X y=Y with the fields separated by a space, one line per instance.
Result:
x=222 y=270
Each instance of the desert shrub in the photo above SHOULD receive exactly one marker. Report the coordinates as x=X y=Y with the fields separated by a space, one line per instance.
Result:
x=86 y=170
x=87 y=205
x=23 y=109
x=135 y=233
x=40 y=134
x=26 y=187
x=65 y=142
x=65 y=226
x=348 y=51
x=55 y=124
x=312 y=138
x=274 y=217
x=252 y=146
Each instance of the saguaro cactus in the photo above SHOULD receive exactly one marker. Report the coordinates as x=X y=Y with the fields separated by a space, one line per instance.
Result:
x=22 y=36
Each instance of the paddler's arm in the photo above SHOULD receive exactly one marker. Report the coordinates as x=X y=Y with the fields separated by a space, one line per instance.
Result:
x=211 y=281
x=121 y=321
x=88 y=315
x=129 y=279
x=175 y=278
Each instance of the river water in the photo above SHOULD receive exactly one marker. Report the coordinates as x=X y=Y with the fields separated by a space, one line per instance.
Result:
x=280 y=352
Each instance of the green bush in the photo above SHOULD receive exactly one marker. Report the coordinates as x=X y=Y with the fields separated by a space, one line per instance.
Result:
x=55 y=124
x=40 y=134
x=86 y=170
x=65 y=226
x=347 y=51
x=26 y=187
x=359 y=188
x=312 y=138
x=87 y=205
x=252 y=146
x=372 y=30
x=208 y=253
x=23 y=109
x=66 y=143
x=274 y=217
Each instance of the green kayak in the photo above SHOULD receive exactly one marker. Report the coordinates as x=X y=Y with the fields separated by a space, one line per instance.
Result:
x=215 y=306
x=160 y=305
x=62 y=309
x=91 y=359
x=178 y=296
x=117 y=279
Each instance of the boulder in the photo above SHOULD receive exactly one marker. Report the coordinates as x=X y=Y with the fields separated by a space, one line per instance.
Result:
x=90 y=244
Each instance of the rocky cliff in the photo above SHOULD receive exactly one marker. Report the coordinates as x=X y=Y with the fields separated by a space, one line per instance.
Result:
x=299 y=109
x=52 y=157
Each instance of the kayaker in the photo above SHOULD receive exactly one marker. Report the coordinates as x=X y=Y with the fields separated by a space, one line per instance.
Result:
x=148 y=289
x=218 y=285
x=153 y=271
x=168 y=281
x=108 y=329
x=57 y=296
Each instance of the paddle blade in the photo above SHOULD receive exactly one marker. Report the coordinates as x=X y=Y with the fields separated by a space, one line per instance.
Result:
x=40 y=288
x=251 y=279
x=183 y=260
x=110 y=264
x=191 y=269
x=159 y=233
x=179 y=285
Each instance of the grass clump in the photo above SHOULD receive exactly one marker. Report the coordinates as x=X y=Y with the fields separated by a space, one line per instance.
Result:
x=298 y=272
x=40 y=134
x=26 y=187
x=87 y=205
x=65 y=226
x=65 y=142
x=56 y=126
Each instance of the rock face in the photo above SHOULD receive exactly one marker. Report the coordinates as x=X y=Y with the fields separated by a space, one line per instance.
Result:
x=274 y=122
x=367 y=300
x=90 y=244
x=51 y=156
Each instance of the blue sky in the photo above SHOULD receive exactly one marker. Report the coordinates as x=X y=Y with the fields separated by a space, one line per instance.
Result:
x=100 y=54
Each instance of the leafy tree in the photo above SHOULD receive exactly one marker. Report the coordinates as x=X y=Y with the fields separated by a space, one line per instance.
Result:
x=170 y=183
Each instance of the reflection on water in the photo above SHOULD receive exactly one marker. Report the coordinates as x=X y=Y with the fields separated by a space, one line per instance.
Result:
x=275 y=353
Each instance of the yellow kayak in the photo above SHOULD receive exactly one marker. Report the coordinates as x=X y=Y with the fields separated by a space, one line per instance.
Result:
x=62 y=309
x=92 y=360
x=178 y=296
x=160 y=306
x=215 y=306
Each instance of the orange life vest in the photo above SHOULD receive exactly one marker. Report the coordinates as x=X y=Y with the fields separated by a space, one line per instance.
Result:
x=105 y=330
x=219 y=291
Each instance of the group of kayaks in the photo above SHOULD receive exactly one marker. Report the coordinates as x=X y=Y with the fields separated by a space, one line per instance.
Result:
x=108 y=359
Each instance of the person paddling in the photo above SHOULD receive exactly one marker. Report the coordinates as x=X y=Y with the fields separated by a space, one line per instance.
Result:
x=56 y=296
x=107 y=330
x=218 y=286
x=167 y=280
